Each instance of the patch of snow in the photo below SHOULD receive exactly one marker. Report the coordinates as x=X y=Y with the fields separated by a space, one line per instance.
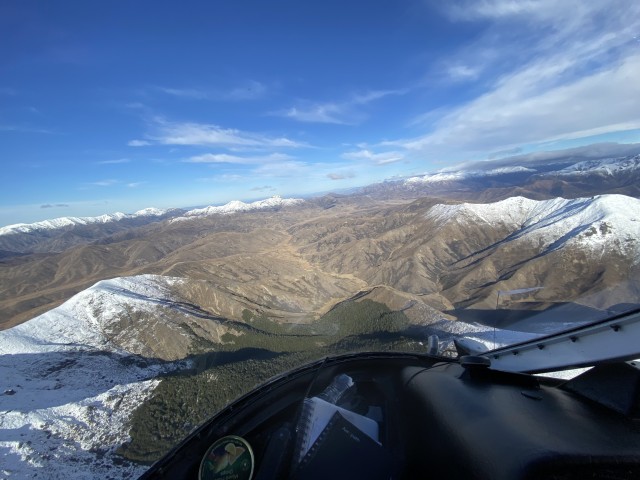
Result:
x=485 y=338
x=499 y=338
x=489 y=337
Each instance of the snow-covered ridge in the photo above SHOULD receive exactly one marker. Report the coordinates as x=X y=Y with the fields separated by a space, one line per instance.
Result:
x=67 y=392
x=591 y=222
x=238 y=206
x=84 y=319
x=451 y=176
x=74 y=221
x=607 y=166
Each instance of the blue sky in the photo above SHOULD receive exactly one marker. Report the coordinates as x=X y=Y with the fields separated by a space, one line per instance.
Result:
x=117 y=106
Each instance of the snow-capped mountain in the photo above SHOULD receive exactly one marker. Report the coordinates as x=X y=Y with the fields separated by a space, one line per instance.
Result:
x=611 y=221
x=59 y=234
x=238 y=206
x=62 y=222
x=566 y=176
x=231 y=207
x=85 y=320
x=452 y=176
x=69 y=383
x=606 y=166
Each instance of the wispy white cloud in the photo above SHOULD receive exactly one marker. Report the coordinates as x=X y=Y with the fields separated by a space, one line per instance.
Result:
x=202 y=134
x=471 y=10
x=249 y=90
x=292 y=168
x=112 y=182
x=381 y=158
x=372 y=95
x=505 y=153
x=340 y=175
x=55 y=205
x=24 y=129
x=264 y=188
x=572 y=13
x=216 y=158
x=550 y=71
x=319 y=113
x=105 y=183
x=114 y=161
x=574 y=35
x=237 y=159
x=190 y=93
x=224 y=177
x=461 y=72
x=340 y=113
x=138 y=143
x=512 y=114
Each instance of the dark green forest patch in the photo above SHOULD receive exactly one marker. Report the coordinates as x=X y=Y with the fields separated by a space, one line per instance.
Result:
x=185 y=399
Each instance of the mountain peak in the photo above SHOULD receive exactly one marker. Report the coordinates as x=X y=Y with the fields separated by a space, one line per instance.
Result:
x=239 y=206
x=588 y=221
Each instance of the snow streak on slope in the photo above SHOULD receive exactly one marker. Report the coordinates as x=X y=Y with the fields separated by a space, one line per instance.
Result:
x=74 y=221
x=238 y=206
x=596 y=223
x=67 y=392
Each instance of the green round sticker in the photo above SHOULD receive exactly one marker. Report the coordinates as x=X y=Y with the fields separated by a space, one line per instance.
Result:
x=229 y=458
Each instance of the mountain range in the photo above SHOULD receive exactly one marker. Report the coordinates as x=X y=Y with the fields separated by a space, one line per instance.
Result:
x=99 y=314
x=568 y=174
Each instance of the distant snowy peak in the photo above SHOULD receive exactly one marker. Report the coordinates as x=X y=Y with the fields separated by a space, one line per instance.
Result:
x=60 y=223
x=454 y=176
x=591 y=222
x=151 y=212
x=438 y=178
x=524 y=211
x=238 y=206
x=76 y=221
x=607 y=166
